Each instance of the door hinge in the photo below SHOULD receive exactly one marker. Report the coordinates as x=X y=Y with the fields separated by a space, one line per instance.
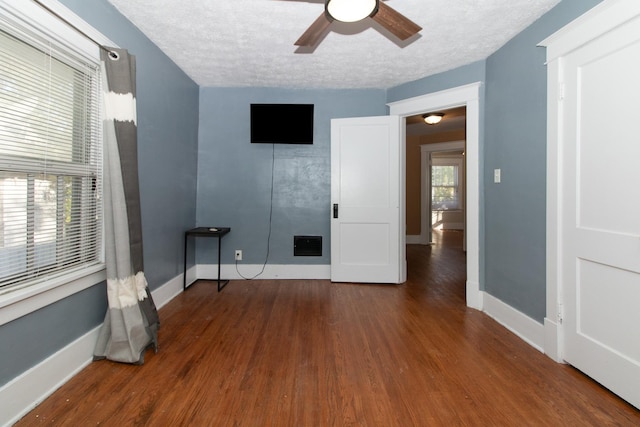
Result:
x=560 y=313
x=561 y=88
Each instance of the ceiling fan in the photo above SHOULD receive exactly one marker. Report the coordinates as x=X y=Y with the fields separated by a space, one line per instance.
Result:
x=354 y=11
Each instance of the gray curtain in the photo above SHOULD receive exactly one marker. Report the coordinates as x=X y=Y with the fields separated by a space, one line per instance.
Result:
x=131 y=323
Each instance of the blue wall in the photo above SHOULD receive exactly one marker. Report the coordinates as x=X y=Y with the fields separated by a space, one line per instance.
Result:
x=234 y=176
x=167 y=144
x=515 y=142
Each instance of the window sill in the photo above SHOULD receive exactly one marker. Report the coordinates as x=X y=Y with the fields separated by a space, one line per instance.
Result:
x=27 y=300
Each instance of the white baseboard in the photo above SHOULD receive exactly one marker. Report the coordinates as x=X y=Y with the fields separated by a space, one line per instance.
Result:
x=417 y=239
x=520 y=324
x=171 y=289
x=271 y=271
x=25 y=392
x=414 y=239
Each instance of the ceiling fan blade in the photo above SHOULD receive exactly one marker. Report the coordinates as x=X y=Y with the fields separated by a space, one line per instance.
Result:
x=315 y=32
x=396 y=23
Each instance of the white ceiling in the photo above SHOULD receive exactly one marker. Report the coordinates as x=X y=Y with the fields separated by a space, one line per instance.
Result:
x=239 y=43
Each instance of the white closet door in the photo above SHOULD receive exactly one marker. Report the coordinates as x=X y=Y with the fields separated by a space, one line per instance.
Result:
x=600 y=251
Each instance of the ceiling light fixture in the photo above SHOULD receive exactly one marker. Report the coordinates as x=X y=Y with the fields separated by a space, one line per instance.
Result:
x=350 y=10
x=433 y=118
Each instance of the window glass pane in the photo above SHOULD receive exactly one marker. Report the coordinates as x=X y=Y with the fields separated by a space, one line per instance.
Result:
x=13 y=223
x=50 y=160
x=44 y=234
x=57 y=232
x=444 y=187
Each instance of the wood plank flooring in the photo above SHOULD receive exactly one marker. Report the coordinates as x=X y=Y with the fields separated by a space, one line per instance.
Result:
x=315 y=353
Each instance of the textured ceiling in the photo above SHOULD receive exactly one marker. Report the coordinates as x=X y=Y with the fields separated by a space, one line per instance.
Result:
x=238 y=43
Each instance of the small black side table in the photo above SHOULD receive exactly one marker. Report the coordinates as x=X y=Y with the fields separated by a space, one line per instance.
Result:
x=218 y=232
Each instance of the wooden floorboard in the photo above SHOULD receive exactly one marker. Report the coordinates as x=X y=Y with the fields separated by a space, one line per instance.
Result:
x=316 y=353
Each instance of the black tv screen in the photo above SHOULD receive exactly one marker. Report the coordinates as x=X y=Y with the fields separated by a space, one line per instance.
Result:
x=282 y=123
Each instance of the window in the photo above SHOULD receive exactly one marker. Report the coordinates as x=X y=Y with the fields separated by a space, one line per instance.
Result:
x=445 y=184
x=50 y=160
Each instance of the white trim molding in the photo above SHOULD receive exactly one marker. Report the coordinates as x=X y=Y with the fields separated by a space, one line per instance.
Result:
x=469 y=96
x=241 y=271
x=599 y=20
x=24 y=393
x=21 y=302
x=523 y=326
x=416 y=239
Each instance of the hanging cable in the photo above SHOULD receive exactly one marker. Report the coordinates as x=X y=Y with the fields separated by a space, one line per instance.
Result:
x=273 y=161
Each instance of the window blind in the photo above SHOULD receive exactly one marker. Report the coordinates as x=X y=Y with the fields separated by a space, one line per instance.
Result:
x=50 y=161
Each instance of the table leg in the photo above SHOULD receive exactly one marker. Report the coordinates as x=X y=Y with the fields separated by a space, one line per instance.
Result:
x=219 y=260
x=184 y=277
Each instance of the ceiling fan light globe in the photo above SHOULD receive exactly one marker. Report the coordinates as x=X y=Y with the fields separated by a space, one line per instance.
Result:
x=351 y=10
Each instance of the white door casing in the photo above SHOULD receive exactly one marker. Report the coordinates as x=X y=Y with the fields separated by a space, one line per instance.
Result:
x=593 y=204
x=469 y=96
x=367 y=234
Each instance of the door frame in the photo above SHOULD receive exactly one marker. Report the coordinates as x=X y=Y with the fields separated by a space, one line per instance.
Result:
x=469 y=96
x=590 y=26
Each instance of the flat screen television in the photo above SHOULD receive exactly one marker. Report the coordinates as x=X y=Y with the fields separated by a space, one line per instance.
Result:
x=282 y=123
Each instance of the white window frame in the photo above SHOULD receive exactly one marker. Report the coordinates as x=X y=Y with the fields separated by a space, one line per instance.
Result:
x=31 y=15
x=458 y=162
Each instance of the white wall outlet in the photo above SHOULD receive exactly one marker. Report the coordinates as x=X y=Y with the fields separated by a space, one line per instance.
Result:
x=496 y=176
x=238 y=255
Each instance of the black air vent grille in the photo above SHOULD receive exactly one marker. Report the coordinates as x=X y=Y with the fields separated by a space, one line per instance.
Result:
x=307 y=245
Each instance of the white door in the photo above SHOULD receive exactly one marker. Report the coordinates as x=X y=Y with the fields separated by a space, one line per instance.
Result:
x=600 y=249
x=367 y=223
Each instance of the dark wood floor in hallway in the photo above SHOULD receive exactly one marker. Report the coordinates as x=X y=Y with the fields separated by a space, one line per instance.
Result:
x=316 y=353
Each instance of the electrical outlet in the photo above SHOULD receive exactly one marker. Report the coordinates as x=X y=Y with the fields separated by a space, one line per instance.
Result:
x=238 y=255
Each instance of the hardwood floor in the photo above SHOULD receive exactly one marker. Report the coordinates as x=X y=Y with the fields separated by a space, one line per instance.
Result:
x=315 y=353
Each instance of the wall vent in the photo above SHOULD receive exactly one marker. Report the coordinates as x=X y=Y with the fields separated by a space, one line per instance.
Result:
x=307 y=245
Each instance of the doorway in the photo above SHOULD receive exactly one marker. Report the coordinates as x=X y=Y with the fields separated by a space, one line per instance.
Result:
x=464 y=96
x=444 y=154
x=422 y=142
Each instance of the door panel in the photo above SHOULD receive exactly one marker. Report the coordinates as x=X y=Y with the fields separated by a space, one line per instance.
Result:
x=601 y=219
x=609 y=311
x=365 y=184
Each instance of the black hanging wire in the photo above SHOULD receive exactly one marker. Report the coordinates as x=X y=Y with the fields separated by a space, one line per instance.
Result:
x=266 y=259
